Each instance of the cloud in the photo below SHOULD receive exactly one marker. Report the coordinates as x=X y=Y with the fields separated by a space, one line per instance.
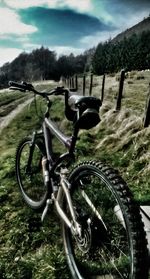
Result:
x=10 y=23
x=8 y=54
x=30 y=46
x=134 y=3
x=79 y=5
x=66 y=50
x=61 y=27
x=17 y=4
x=122 y=14
x=64 y=25
x=96 y=38
x=133 y=19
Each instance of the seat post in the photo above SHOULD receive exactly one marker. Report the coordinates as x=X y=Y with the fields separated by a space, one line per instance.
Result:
x=74 y=139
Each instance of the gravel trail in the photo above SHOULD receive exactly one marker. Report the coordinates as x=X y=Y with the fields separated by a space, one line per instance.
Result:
x=4 y=121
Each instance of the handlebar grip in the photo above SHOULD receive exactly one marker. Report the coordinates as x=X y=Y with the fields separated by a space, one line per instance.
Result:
x=21 y=86
x=17 y=85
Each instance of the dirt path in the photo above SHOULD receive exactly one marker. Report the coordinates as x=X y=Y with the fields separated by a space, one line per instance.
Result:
x=4 y=121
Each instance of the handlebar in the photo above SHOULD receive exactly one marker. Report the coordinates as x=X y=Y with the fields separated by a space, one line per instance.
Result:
x=24 y=86
x=21 y=86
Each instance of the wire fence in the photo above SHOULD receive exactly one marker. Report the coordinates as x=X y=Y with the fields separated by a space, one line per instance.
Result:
x=86 y=89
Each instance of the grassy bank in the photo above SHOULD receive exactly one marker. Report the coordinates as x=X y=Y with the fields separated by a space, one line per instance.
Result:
x=30 y=249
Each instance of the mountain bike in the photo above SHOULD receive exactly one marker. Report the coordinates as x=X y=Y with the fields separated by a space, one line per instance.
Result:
x=87 y=196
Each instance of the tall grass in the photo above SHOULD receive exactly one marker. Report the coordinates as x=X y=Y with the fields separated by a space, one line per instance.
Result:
x=30 y=249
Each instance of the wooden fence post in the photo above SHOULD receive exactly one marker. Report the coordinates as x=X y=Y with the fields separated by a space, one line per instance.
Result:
x=72 y=79
x=64 y=81
x=147 y=110
x=119 y=98
x=84 y=85
x=76 y=83
x=69 y=82
x=91 y=85
x=103 y=86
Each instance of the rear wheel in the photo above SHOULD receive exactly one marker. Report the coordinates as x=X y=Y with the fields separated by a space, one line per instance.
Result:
x=112 y=243
x=29 y=172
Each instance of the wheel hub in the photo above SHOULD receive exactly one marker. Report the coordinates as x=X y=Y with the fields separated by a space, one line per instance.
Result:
x=84 y=242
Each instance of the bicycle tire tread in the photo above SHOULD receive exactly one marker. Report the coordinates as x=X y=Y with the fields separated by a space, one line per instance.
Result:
x=132 y=211
x=42 y=149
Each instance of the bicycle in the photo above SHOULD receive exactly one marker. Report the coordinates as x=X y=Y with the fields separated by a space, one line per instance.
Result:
x=97 y=243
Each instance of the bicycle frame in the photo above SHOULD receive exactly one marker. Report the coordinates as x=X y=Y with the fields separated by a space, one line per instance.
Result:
x=57 y=192
x=89 y=221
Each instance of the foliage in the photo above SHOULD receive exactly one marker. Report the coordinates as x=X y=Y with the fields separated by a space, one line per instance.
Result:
x=131 y=53
x=42 y=64
x=30 y=249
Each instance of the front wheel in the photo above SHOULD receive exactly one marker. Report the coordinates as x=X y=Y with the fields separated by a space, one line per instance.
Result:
x=29 y=172
x=112 y=242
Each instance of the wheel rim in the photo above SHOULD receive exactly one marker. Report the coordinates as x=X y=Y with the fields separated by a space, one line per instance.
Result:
x=31 y=179
x=108 y=252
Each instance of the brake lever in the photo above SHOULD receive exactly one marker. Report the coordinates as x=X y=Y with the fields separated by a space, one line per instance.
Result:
x=16 y=88
x=59 y=90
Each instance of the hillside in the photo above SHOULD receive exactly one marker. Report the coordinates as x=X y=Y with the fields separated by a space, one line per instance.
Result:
x=30 y=249
x=144 y=25
x=129 y=50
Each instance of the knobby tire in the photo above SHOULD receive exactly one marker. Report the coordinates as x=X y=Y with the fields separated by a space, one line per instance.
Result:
x=111 y=247
x=30 y=182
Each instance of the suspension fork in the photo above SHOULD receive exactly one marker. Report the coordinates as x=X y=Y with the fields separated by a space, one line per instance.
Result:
x=64 y=189
x=32 y=146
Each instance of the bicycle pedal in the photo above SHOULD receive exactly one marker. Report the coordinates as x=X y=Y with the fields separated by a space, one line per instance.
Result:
x=48 y=202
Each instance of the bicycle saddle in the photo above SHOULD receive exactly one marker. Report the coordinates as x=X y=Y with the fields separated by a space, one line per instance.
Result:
x=76 y=101
x=82 y=110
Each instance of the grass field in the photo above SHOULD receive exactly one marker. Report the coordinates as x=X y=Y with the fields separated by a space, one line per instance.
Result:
x=29 y=249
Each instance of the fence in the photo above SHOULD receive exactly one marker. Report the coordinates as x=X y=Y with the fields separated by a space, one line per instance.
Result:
x=73 y=84
x=147 y=110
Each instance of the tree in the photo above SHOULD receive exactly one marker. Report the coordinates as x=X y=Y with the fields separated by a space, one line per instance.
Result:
x=131 y=53
x=43 y=61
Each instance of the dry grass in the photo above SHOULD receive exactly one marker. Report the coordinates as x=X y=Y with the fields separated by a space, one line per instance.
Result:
x=120 y=137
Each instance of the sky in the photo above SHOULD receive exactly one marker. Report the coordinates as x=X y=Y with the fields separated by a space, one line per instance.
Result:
x=64 y=26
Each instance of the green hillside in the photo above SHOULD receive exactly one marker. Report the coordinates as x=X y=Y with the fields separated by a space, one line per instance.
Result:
x=29 y=249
